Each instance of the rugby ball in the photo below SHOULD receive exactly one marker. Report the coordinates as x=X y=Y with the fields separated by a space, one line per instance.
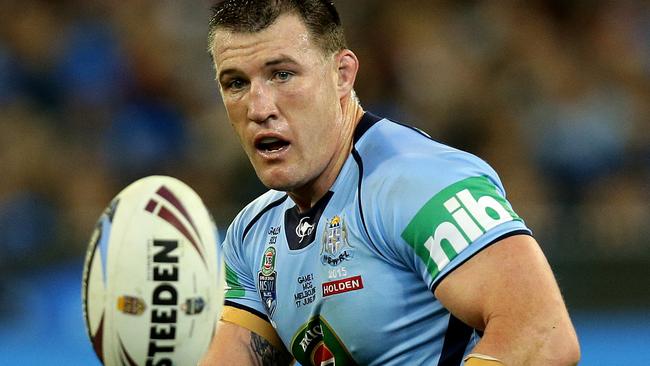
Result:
x=153 y=276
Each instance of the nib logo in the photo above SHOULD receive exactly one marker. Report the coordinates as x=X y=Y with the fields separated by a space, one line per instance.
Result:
x=454 y=218
x=317 y=344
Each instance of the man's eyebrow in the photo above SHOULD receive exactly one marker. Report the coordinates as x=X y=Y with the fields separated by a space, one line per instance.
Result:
x=227 y=72
x=280 y=60
x=273 y=62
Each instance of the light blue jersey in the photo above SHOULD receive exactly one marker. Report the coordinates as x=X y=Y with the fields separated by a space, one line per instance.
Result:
x=351 y=281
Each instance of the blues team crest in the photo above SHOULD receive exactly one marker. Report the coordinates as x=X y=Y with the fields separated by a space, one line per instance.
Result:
x=336 y=248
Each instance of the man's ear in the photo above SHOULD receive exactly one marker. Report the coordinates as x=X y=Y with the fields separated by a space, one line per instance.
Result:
x=348 y=66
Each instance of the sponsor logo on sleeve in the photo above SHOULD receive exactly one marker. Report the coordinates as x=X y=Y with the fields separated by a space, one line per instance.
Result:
x=454 y=218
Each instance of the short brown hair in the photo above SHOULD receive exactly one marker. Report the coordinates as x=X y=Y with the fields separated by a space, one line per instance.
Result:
x=249 y=16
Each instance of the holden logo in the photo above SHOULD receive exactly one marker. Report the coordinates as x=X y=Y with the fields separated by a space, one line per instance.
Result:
x=304 y=228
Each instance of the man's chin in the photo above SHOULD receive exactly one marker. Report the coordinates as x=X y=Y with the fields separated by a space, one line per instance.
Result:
x=284 y=184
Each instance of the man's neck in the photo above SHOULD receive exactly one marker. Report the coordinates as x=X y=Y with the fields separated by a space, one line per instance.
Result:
x=308 y=195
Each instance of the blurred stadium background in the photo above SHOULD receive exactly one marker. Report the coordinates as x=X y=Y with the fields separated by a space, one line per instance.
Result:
x=554 y=94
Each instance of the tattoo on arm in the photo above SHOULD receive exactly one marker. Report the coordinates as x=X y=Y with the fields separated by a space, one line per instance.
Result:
x=266 y=354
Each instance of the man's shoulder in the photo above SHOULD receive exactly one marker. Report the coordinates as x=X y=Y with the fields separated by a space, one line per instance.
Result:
x=393 y=152
x=256 y=209
x=404 y=167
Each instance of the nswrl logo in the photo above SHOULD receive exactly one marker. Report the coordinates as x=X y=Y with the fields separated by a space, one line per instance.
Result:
x=455 y=217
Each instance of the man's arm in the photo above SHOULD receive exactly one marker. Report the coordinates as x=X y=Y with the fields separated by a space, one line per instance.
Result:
x=233 y=344
x=509 y=292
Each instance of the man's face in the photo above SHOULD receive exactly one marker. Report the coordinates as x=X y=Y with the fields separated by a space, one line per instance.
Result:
x=281 y=96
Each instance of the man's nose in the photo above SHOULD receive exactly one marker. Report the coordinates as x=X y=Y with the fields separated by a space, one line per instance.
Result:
x=261 y=104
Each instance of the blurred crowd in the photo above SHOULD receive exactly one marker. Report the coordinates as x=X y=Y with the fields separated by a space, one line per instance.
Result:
x=554 y=94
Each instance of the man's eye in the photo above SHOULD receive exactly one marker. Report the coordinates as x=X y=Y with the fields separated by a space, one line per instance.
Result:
x=283 y=75
x=236 y=84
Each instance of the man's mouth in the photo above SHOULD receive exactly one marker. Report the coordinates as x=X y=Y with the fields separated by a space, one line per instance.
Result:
x=271 y=144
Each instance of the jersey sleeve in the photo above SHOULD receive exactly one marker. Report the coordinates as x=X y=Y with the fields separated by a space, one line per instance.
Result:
x=433 y=213
x=240 y=284
x=243 y=305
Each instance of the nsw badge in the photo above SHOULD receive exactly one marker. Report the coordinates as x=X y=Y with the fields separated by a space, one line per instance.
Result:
x=266 y=281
